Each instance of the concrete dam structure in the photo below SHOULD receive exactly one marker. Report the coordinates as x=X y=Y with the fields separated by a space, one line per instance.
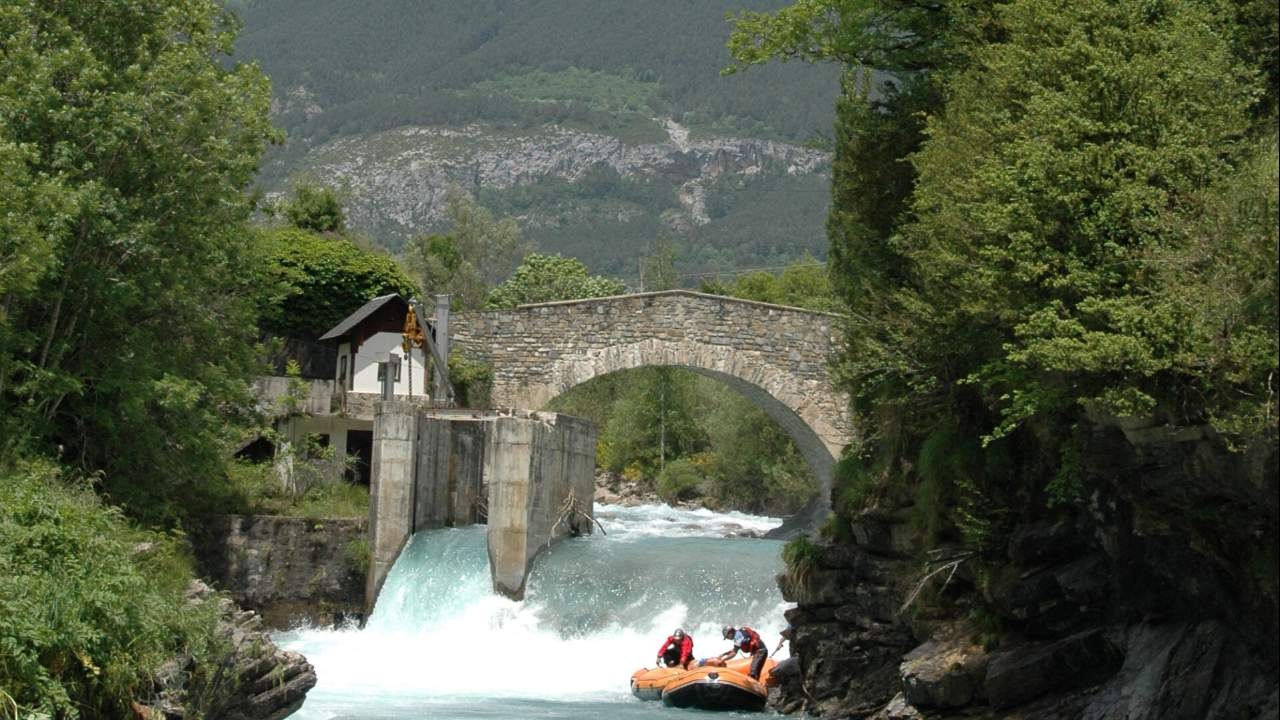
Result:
x=529 y=476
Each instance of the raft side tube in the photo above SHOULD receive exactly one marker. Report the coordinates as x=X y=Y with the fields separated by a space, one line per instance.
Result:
x=715 y=688
x=648 y=683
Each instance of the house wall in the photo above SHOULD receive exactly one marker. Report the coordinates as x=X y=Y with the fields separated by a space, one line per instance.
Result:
x=366 y=365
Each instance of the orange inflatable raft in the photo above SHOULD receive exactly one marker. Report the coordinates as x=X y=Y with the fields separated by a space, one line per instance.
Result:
x=648 y=683
x=715 y=685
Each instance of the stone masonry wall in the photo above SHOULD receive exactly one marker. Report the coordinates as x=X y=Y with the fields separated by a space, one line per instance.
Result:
x=776 y=356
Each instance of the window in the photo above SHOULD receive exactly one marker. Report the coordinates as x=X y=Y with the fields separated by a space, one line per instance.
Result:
x=342 y=372
x=382 y=371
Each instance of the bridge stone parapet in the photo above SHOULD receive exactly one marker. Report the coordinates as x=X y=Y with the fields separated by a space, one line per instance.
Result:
x=775 y=355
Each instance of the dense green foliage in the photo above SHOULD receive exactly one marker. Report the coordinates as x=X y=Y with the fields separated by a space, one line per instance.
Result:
x=311 y=282
x=89 y=607
x=803 y=284
x=126 y=323
x=478 y=251
x=128 y=293
x=316 y=208
x=690 y=437
x=1046 y=212
x=543 y=278
x=439 y=62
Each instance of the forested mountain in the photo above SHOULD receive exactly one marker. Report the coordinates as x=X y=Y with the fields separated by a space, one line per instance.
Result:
x=598 y=124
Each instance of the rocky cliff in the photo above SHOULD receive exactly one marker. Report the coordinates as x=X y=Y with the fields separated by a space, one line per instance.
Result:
x=396 y=180
x=1155 y=598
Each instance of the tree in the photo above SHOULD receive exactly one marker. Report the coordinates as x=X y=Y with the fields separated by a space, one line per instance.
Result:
x=1020 y=230
x=311 y=282
x=316 y=208
x=474 y=256
x=1040 y=196
x=127 y=318
x=659 y=266
x=546 y=278
x=804 y=284
x=653 y=421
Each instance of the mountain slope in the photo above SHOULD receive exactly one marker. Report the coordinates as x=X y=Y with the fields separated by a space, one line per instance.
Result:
x=534 y=106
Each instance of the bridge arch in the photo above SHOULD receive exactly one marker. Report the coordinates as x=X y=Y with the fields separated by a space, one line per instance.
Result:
x=776 y=356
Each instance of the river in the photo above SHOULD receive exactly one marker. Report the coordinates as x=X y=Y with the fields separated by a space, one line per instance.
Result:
x=440 y=644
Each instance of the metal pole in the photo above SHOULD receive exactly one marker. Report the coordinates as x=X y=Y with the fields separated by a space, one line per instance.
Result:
x=442 y=389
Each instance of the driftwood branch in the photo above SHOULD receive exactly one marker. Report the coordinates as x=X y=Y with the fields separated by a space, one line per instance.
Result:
x=569 y=509
x=951 y=563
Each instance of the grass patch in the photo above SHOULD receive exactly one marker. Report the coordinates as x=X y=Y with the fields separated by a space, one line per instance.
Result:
x=254 y=489
x=801 y=556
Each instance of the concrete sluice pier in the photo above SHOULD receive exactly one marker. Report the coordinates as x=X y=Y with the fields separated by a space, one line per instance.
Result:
x=529 y=475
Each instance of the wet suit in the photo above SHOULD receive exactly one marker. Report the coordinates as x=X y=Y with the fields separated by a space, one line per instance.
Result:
x=676 y=652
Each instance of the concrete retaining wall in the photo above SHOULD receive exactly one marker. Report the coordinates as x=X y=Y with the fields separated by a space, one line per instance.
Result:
x=395 y=435
x=531 y=476
x=542 y=475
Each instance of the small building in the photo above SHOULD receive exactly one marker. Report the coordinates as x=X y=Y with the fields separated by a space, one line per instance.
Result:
x=365 y=339
x=337 y=411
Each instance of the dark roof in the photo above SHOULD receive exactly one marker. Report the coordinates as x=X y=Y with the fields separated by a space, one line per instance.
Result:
x=346 y=326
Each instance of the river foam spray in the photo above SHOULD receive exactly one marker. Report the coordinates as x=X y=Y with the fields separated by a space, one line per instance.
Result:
x=441 y=644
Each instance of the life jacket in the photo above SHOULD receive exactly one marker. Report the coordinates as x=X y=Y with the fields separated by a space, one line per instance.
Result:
x=752 y=643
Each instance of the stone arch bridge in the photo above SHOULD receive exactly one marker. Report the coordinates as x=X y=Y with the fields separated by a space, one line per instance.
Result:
x=777 y=356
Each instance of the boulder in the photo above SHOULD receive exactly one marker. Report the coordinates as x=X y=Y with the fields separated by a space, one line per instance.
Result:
x=943 y=674
x=899 y=709
x=1031 y=670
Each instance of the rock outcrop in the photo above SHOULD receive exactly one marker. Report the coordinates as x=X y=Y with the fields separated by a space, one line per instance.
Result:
x=245 y=676
x=399 y=178
x=847 y=638
x=289 y=570
x=1150 y=599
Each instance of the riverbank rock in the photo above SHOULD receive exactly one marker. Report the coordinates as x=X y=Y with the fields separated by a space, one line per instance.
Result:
x=289 y=570
x=614 y=489
x=247 y=678
x=847 y=637
x=1033 y=670
x=944 y=674
x=1152 y=596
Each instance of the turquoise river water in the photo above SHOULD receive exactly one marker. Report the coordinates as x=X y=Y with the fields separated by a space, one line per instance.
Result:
x=440 y=644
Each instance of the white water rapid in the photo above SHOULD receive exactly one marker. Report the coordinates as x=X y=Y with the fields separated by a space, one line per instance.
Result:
x=440 y=644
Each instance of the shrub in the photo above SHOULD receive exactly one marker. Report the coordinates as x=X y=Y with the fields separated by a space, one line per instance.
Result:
x=472 y=381
x=679 y=480
x=90 y=607
x=852 y=483
x=801 y=556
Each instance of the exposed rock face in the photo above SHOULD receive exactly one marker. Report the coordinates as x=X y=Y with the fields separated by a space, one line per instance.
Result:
x=286 y=569
x=1144 y=602
x=847 y=638
x=251 y=679
x=944 y=674
x=401 y=176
